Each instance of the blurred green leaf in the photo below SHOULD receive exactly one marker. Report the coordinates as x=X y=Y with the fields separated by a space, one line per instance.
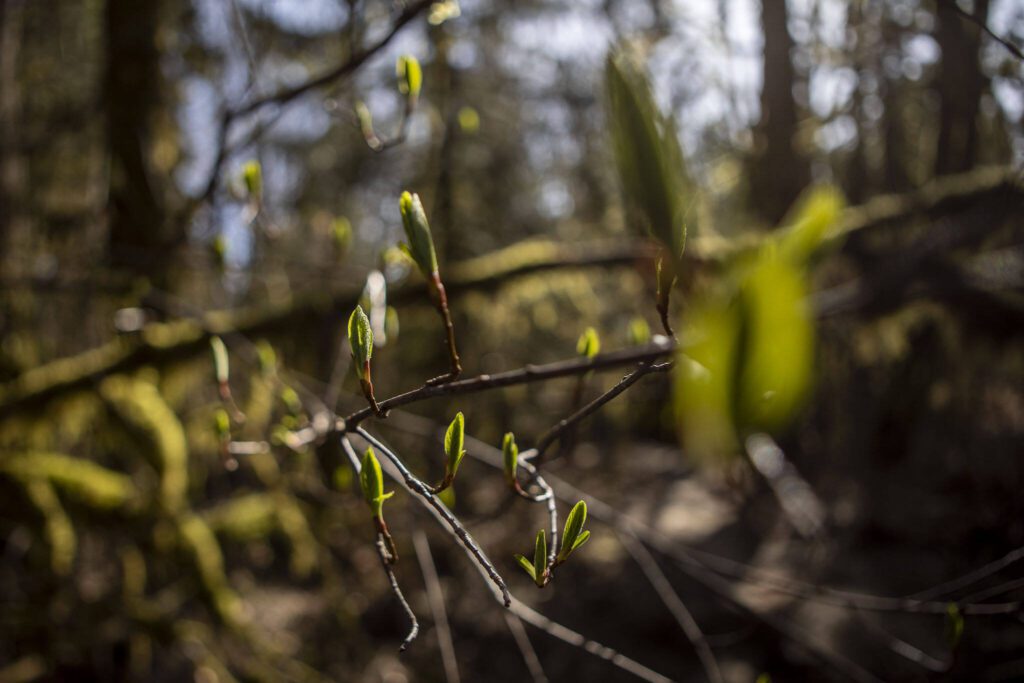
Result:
x=341 y=234
x=647 y=152
x=954 y=625
x=221 y=366
x=410 y=76
x=252 y=178
x=639 y=332
x=469 y=120
x=589 y=344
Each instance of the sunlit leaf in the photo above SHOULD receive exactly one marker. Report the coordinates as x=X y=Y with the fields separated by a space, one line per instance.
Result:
x=421 y=243
x=360 y=339
x=510 y=457
x=454 y=439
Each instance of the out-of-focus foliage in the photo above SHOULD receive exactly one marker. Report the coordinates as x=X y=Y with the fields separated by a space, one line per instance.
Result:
x=752 y=338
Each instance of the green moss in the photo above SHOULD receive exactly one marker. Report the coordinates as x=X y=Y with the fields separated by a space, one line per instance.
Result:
x=82 y=480
x=140 y=406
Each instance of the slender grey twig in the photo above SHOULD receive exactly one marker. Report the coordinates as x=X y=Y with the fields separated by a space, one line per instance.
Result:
x=674 y=603
x=423 y=490
x=435 y=596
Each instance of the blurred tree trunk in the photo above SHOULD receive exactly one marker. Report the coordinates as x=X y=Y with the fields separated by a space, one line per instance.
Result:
x=778 y=170
x=140 y=233
x=961 y=84
x=12 y=167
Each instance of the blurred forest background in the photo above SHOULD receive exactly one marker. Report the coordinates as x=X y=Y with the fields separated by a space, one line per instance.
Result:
x=134 y=225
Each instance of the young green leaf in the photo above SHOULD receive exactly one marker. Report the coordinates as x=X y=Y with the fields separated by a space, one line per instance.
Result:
x=410 y=76
x=454 y=440
x=589 y=344
x=580 y=540
x=220 y=359
x=573 y=528
x=371 y=480
x=540 y=559
x=510 y=458
x=360 y=339
x=417 y=230
x=527 y=566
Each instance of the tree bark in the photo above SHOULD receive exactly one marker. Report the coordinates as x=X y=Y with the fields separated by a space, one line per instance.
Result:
x=140 y=233
x=960 y=86
x=778 y=171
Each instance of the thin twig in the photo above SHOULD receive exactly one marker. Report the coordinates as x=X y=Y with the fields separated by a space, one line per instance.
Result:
x=529 y=373
x=675 y=605
x=435 y=597
x=515 y=625
x=385 y=561
x=537 y=455
x=1013 y=49
x=423 y=490
x=553 y=628
x=344 y=69
x=386 y=557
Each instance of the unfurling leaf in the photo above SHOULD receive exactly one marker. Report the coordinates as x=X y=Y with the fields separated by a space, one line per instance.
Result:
x=267 y=357
x=589 y=344
x=220 y=359
x=526 y=565
x=647 y=152
x=360 y=339
x=540 y=558
x=510 y=458
x=252 y=178
x=417 y=230
x=454 y=439
x=639 y=332
x=573 y=535
x=812 y=217
x=371 y=480
x=410 y=76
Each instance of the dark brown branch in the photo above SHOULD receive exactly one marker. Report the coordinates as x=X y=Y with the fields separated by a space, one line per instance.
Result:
x=536 y=456
x=529 y=373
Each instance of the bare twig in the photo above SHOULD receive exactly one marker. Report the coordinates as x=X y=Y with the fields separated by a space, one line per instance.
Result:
x=537 y=455
x=436 y=598
x=529 y=373
x=385 y=561
x=418 y=487
x=515 y=625
x=674 y=604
